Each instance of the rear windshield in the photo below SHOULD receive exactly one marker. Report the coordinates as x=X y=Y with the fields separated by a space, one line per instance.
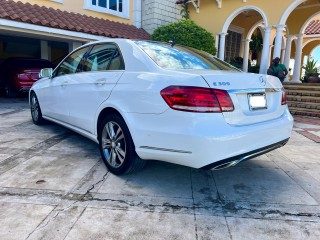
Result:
x=180 y=57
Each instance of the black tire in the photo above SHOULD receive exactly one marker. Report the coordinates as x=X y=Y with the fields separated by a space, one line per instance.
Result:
x=35 y=109
x=116 y=146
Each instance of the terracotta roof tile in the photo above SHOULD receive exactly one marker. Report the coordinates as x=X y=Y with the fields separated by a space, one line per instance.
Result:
x=49 y=17
x=313 y=28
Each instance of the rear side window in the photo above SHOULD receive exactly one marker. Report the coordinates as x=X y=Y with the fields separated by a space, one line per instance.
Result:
x=179 y=57
x=104 y=57
x=72 y=63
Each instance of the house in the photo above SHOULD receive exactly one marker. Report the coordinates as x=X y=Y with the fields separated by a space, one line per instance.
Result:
x=290 y=28
x=49 y=29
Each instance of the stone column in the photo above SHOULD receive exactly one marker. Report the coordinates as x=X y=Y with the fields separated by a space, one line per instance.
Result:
x=74 y=45
x=287 y=56
x=44 y=50
x=265 y=50
x=278 y=41
x=246 y=55
x=222 y=43
x=283 y=50
x=269 y=56
x=137 y=13
x=297 y=59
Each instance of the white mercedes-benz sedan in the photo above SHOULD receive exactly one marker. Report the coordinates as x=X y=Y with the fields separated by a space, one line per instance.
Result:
x=142 y=100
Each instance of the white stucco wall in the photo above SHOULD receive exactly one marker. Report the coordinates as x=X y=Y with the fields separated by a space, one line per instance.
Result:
x=157 y=13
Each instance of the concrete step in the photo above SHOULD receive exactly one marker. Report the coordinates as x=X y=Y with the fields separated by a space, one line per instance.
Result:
x=302 y=87
x=305 y=105
x=305 y=112
x=309 y=99
x=298 y=92
x=299 y=85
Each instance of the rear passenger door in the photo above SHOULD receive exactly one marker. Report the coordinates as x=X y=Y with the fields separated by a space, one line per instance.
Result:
x=101 y=70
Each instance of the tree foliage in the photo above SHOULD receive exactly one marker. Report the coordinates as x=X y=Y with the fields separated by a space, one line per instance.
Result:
x=187 y=33
x=256 y=44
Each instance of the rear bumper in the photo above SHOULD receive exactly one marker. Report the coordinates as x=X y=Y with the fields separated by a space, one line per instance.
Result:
x=246 y=156
x=203 y=140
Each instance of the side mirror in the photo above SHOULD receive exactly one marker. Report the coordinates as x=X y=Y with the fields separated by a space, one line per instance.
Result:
x=46 y=73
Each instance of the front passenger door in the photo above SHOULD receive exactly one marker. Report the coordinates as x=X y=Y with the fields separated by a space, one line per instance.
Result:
x=54 y=96
x=101 y=71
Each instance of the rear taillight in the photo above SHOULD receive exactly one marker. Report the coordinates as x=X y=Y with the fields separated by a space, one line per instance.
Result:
x=197 y=99
x=283 y=98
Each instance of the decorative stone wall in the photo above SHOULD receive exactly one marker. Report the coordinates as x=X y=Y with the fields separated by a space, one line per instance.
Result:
x=156 y=13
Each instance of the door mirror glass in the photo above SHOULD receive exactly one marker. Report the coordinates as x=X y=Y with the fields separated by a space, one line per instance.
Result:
x=46 y=73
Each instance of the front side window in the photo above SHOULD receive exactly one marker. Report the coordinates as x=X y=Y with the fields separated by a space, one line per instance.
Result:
x=72 y=63
x=115 y=7
x=179 y=57
x=103 y=57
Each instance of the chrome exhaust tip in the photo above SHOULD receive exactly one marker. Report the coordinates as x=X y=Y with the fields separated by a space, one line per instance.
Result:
x=226 y=165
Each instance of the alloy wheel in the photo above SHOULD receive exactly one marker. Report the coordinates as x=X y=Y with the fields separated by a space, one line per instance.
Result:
x=114 y=144
x=34 y=108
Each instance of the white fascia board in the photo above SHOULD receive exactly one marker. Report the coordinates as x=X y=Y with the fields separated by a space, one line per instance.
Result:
x=47 y=31
x=312 y=36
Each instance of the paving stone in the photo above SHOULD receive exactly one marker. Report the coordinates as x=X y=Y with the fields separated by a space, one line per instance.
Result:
x=302 y=153
x=260 y=185
x=248 y=229
x=212 y=227
x=118 y=224
x=19 y=220
x=309 y=180
x=58 y=224
x=156 y=179
x=48 y=172
x=76 y=143
x=67 y=192
x=4 y=156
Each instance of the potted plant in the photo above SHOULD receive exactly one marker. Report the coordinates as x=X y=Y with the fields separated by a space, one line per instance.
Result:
x=311 y=72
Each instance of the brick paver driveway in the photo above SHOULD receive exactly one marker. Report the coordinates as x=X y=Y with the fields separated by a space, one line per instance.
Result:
x=53 y=185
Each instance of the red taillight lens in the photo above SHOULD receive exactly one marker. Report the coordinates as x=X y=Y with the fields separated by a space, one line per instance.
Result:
x=283 y=98
x=224 y=100
x=197 y=99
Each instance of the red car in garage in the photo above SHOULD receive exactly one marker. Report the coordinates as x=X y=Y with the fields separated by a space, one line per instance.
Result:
x=17 y=75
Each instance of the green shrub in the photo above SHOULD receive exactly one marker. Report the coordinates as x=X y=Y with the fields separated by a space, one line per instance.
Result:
x=187 y=33
x=254 y=69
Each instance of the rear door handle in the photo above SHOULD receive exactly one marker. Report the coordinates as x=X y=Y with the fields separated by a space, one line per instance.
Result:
x=100 y=81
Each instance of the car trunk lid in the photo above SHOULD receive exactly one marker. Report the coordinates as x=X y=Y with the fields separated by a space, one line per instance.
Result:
x=256 y=98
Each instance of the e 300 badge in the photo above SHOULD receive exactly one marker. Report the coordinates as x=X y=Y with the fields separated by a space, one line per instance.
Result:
x=221 y=84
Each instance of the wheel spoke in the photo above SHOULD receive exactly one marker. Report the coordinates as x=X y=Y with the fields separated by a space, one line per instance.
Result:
x=113 y=158
x=120 y=153
x=110 y=130
x=106 y=143
x=117 y=133
x=119 y=137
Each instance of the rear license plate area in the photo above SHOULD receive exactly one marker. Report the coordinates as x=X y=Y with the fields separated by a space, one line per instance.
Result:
x=257 y=101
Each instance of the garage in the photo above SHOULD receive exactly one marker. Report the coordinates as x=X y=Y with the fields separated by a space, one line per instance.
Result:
x=22 y=56
x=34 y=32
x=14 y=46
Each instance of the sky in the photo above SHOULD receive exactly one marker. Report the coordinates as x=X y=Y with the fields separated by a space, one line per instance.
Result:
x=316 y=55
